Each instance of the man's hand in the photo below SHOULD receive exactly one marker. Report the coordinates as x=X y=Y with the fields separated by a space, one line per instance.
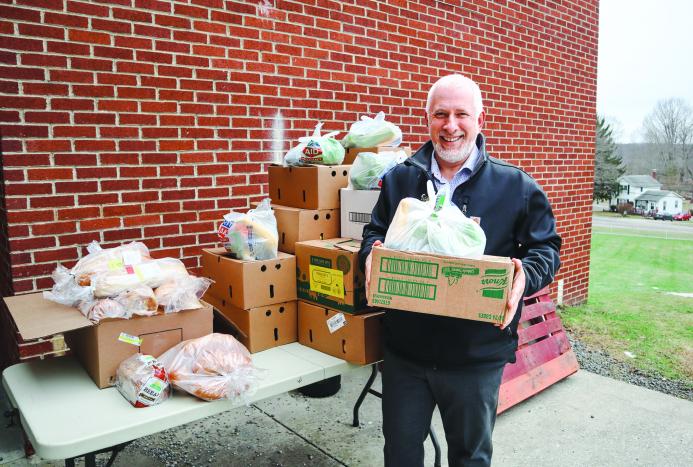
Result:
x=367 y=266
x=515 y=293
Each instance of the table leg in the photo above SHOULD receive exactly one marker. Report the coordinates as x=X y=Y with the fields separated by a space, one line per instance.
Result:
x=366 y=390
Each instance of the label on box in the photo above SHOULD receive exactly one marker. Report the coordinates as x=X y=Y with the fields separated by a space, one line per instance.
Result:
x=336 y=322
x=326 y=281
x=130 y=339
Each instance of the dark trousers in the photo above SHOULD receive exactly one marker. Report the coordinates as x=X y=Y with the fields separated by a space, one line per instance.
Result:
x=467 y=400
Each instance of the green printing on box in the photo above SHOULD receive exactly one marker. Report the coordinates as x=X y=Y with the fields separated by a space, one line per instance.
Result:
x=496 y=272
x=407 y=289
x=406 y=267
x=492 y=293
x=320 y=261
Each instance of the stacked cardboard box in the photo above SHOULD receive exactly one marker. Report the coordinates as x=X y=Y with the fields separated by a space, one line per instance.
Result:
x=357 y=205
x=306 y=203
x=257 y=297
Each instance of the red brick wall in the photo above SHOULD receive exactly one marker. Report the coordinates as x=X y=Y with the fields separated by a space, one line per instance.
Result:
x=148 y=120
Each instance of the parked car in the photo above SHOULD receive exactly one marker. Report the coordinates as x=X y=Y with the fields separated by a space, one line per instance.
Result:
x=664 y=216
x=682 y=216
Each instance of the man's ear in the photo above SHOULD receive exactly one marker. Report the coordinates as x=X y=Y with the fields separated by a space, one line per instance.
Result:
x=481 y=119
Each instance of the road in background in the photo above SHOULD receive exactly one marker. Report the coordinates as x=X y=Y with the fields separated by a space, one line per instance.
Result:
x=675 y=230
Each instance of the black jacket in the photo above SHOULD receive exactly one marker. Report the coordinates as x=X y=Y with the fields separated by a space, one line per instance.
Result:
x=518 y=222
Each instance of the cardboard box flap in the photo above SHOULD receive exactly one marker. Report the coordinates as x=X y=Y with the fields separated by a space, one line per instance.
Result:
x=352 y=246
x=37 y=317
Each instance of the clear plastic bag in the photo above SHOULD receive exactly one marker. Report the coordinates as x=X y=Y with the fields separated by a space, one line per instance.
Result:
x=435 y=226
x=371 y=132
x=212 y=367
x=182 y=293
x=65 y=290
x=253 y=235
x=143 y=381
x=369 y=168
x=109 y=259
x=101 y=308
x=316 y=149
x=139 y=300
x=151 y=273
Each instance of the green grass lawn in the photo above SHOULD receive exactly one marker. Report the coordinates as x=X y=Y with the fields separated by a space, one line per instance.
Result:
x=629 y=310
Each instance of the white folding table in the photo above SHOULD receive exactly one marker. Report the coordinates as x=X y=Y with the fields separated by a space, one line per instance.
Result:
x=65 y=415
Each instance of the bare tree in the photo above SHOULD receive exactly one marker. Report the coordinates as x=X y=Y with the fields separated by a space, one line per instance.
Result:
x=669 y=127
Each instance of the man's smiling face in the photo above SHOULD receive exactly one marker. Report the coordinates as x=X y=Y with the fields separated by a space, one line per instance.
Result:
x=453 y=122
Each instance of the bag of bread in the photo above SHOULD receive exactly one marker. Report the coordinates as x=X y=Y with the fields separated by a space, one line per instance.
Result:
x=143 y=381
x=212 y=367
x=182 y=293
x=101 y=308
x=65 y=290
x=253 y=235
x=108 y=259
x=139 y=300
x=151 y=273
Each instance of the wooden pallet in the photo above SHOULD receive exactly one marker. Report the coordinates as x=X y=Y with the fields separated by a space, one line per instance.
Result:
x=544 y=355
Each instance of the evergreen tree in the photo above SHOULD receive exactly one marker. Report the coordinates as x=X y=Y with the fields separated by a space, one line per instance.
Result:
x=607 y=163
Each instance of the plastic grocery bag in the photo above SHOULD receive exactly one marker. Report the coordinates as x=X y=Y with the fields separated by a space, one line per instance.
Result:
x=435 y=226
x=212 y=367
x=370 y=132
x=253 y=235
x=316 y=149
x=369 y=168
x=143 y=381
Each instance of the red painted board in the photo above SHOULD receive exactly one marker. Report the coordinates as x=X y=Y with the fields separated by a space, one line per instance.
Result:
x=531 y=356
x=537 y=309
x=538 y=330
x=536 y=380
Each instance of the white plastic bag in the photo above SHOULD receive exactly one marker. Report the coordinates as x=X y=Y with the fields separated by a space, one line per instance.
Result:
x=435 y=226
x=370 y=132
x=316 y=149
x=369 y=168
x=212 y=367
x=253 y=235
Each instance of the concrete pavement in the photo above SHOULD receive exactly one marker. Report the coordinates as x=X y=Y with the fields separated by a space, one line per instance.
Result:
x=585 y=420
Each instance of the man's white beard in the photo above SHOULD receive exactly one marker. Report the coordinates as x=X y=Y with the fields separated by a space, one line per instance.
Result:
x=453 y=156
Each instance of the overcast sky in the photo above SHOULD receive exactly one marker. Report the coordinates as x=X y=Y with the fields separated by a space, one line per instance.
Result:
x=645 y=54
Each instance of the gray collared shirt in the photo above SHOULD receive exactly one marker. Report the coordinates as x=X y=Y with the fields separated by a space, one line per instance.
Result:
x=460 y=177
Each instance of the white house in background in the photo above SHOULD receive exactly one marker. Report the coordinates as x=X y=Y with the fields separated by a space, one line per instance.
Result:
x=633 y=186
x=667 y=202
